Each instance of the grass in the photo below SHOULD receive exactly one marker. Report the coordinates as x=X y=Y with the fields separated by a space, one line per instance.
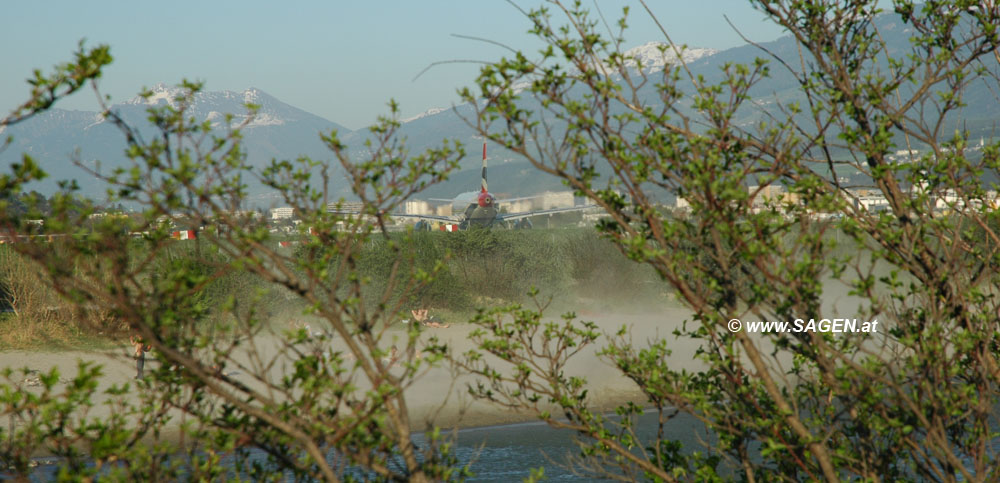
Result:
x=53 y=334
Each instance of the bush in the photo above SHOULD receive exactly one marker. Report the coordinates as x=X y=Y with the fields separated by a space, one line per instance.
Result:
x=38 y=315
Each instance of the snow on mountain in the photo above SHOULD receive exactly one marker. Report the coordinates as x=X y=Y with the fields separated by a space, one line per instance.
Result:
x=98 y=119
x=265 y=120
x=213 y=105
x=251 y=95
x=277 y=131
x=161 y=94
x=654 y=56
x=430 y=112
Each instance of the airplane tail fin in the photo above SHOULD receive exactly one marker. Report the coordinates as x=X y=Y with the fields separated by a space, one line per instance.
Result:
x=484 y=168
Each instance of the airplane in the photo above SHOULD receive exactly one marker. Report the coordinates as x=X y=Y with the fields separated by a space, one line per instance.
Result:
x=480 y=210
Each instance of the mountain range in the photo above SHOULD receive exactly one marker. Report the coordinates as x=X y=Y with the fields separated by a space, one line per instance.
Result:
x=282 y=131
x=56 y=137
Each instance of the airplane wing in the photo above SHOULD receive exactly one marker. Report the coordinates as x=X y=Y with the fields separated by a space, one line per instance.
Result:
x=472 y=199
x=440 y=218
x=508 y=200
x=550 y=211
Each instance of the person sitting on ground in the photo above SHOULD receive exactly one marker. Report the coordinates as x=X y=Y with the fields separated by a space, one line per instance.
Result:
x=420 y=315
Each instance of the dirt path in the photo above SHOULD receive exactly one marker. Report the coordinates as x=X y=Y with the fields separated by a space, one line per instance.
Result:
x=436 y=398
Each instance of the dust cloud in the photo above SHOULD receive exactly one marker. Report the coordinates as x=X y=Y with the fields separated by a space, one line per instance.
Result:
x=439 y=397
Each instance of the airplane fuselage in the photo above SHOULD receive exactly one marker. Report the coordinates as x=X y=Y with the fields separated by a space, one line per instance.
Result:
x=479 y=209
x=479 y=216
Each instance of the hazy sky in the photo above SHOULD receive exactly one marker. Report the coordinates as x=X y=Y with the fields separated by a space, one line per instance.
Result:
x=341 y=60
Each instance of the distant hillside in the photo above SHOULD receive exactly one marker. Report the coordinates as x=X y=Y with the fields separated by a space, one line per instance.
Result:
x=56 y=137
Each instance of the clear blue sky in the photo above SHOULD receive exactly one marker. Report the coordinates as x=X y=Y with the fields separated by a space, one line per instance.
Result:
x=341 y=60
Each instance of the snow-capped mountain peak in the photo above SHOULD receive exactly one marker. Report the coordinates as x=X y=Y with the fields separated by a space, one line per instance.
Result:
x=162 y=93
x=213 y=105
x=654 y=56
x=159 y=94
